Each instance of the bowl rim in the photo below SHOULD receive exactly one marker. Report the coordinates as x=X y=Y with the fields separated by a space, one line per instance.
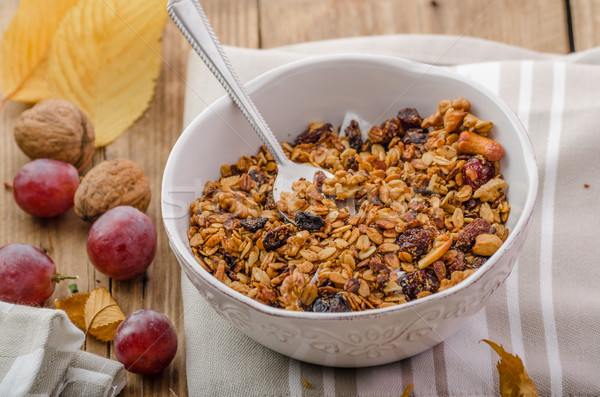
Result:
x=183 y=252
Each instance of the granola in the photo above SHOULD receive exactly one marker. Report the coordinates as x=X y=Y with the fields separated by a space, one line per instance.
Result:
x=430 y=209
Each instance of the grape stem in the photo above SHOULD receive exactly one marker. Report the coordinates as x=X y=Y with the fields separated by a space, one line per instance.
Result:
x=59 y=277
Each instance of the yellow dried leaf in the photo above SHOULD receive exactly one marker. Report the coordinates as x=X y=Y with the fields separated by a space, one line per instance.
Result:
x=74 y=306
x=102 y=315
x=514 y=380
x=106 y=333
x=25 y=43
x=407 y=390
x=105 y=58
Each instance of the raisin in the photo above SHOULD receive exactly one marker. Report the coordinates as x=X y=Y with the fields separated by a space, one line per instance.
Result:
x=466 y=237
x=376 y=265
x=370 y=198
x=476 y=263
x=412 y=284
x=457 y=262
x=330 y=304
x=319 y=179
x=470 y=204
x=307 y=221
x=454 y=261
x=350 y=163
x=270 y=204
x=410 y=118
x=325 y=283
x=253 y=224
x=415 y=135
x=383 y=278
x=386 y=132
x=314 y=132
x=232 y=262
x=227 y=257
x=229 y=170
x=276 y=238
x=477 y=171
x=415 y=241
x=257 y=177
x=421 y=185
x=354 y=136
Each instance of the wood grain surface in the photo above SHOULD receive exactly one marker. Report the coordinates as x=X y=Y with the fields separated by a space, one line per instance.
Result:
x=536 y=24
x=542 y=25
x=585 y=17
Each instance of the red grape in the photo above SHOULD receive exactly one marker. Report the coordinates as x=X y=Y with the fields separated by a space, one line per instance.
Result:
x=477 y=171
x=45 y=187
x=26 y=273
x=146 y=342
x=122 y=243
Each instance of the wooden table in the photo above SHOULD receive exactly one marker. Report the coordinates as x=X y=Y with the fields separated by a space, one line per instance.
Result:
x=544 y=25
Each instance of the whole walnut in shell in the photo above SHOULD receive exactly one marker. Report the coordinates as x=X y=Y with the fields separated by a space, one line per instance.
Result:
x=56 y=129
x=110 y=184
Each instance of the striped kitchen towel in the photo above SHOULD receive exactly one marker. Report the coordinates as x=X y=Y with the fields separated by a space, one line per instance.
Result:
x=40 y=357
x=547 y=312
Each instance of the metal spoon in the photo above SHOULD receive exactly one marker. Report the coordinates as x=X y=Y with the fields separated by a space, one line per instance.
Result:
x=190 y=19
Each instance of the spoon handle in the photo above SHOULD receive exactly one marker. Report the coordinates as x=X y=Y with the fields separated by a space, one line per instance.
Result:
x=190 y=19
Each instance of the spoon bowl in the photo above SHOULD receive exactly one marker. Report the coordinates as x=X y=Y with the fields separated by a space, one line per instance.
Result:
x=292 y=172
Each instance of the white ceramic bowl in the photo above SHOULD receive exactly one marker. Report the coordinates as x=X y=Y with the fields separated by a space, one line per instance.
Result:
x=323 y=89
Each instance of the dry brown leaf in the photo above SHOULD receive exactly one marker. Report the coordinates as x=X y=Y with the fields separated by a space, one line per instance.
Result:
x=74 y=306
x=24 y=47
x=108 y=64
x=102 y=315
x=94 y=312
x=514 y=380
x=306 y=384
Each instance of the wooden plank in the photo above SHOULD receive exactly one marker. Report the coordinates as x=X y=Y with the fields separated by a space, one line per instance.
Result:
x=63 y=237
x=586 y=23
x=535 y=24
x=149 y=143
x=95 y=279
x=234 y=21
